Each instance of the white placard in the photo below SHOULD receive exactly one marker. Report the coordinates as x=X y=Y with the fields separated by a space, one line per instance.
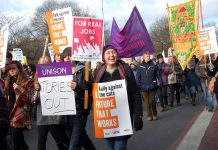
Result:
x=208 y=42
x=3 y=44
x=111 y=109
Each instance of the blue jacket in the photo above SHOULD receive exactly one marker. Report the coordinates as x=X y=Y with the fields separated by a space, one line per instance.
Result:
x=147 y=76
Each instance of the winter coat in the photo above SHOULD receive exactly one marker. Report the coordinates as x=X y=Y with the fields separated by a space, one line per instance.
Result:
x=79 y=76
x=20 y=114
x=147 y=76
x=134 y=97
x=191 y=77
x=201 y=71
x=178 y=70
x=163 y=71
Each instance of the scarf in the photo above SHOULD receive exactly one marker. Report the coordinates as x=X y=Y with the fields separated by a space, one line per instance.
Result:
x=103 y=69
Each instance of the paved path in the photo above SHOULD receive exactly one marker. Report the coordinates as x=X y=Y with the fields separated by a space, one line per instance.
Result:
x=164 y=134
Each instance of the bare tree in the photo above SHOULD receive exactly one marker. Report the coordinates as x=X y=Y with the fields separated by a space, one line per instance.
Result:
x=159 y=32
x=39 y=21
x=16 y=27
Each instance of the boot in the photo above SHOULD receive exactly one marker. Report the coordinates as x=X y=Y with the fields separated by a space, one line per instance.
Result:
x=193 y=97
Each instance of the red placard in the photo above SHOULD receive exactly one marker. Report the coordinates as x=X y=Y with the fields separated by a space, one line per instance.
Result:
x=87 y=38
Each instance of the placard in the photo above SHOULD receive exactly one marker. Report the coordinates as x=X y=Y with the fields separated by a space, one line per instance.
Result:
x=111 y=109
x=56 y=96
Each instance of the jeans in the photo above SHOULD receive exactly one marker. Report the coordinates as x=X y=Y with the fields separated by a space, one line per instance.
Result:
x=173 y=88
x=206 y=95
x=162 y=95
x=192 y=90
x=210 y=100
x=114 y=144
x=77 y=127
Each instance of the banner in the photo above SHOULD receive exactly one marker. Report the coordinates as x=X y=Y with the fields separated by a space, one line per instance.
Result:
x=111 y=109
x=208 y=41
x=87 y=39
x=51 y=51
x=18 y=55
x=183 y=22
x=134 y=39
x=56 y=96
x=60 y=28
x=3 y=44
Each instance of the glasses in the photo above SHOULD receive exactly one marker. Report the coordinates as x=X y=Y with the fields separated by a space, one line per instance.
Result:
x=12 y=68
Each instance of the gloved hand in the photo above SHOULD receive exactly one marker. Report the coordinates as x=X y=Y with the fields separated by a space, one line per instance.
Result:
x=138 y=123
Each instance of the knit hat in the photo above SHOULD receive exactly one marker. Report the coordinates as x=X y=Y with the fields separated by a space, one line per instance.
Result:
x=159 y=56
x=106 y=47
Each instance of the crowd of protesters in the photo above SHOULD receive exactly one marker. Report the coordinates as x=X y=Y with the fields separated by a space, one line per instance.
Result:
x=145 y=78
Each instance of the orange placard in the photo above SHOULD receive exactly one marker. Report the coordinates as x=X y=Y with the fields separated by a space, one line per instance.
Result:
x=60 y=28
x=107 y=111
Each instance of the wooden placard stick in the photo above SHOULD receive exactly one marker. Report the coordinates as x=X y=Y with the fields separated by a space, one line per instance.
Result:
x=86 y=79
x=46 y=43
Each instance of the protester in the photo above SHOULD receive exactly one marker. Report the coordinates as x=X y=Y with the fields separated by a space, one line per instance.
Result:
x=134 y=67
x=174 y=80
x=115 y=69
x=201 y=71
x=192 y=80
x=53 y=124
x=31 y=69
x=57 y=58
x=25 y=68
x=98 y=65
x=147 y=83
x=19 y=89
x=213 y=86
x=8 y=58
x=163 y=71
x=139 y=59
x=78 y=136
x=3 y=73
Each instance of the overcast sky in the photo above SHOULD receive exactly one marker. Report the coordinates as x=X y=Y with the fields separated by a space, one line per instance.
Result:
x=120 y=9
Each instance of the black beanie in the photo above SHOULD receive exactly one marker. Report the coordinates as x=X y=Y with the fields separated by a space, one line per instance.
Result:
x=159 y=56
x=106 y=47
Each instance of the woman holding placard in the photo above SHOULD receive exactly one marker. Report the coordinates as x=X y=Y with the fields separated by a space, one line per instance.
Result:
x=53 y=124
x=114 y=69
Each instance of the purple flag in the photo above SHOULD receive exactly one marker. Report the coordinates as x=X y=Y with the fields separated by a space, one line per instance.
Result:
x=134 y=39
